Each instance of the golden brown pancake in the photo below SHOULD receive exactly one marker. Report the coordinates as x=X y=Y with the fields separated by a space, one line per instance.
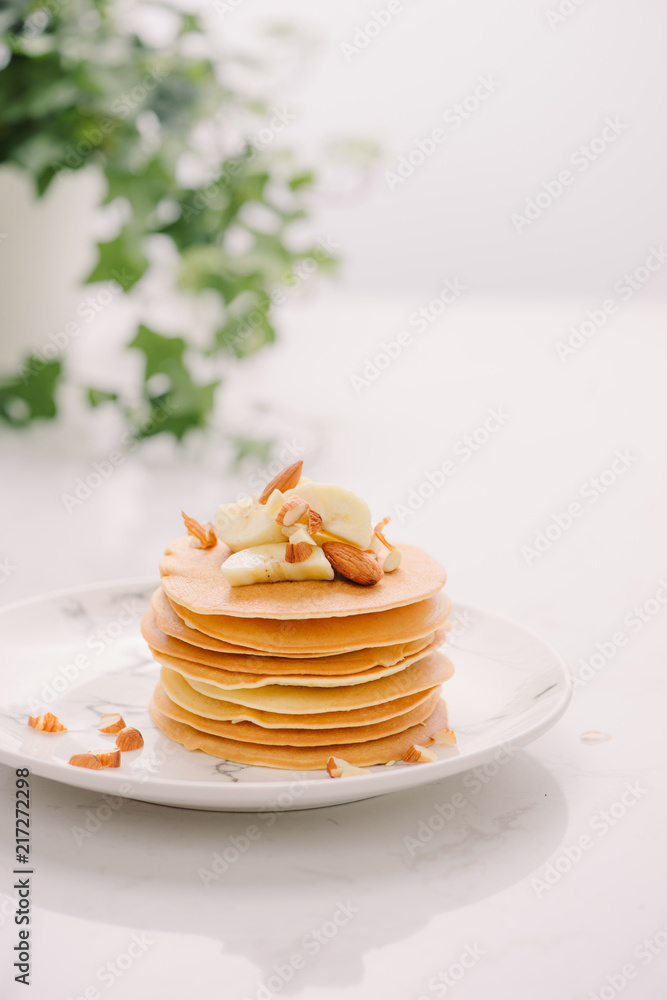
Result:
x=254 y=661
x=323 y=635
x=435 y=668
x=249 y=732
x=176 y=689
x=362 y=754
x=192 y=579
x=227 y=680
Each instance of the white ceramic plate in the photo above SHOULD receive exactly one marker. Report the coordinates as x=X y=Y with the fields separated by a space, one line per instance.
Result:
x=79 y=653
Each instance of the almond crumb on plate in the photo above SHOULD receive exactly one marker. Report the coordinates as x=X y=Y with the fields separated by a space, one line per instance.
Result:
x=419 y=755
x=48 y=723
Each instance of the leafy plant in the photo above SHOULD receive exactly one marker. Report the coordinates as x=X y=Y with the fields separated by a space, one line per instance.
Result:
x=82 y=85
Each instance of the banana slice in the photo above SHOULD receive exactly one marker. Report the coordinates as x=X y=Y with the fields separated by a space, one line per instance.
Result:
x=267 y=564
x=248 y=523
x=344 y=515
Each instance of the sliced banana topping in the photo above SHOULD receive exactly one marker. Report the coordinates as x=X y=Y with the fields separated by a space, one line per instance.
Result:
x=278 y=534
x=269 y=564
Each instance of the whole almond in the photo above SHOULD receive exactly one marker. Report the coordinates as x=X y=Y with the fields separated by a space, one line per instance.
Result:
x=287 y=479
x=352 y=563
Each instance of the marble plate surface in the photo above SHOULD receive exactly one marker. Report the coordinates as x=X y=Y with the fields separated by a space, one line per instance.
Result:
x=79 y=653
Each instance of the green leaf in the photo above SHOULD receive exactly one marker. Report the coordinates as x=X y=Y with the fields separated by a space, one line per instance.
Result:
x=120 y=260
x=98 y=396
x=182 y=404
x=31 y=394
x=160 y=352
x=304 y=179
x=244 y=335
x=82 y=88
x=246 y=450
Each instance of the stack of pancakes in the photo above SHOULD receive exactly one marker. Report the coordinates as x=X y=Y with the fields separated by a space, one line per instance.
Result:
x=290 y=674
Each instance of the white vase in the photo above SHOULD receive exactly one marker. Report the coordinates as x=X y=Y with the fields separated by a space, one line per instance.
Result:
x=47 y=247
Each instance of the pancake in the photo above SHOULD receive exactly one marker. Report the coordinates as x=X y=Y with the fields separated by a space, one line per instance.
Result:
x=178 y=692
x=227 y=680
x=255 y=662
x=310 y=701
x=362 y=754
x=192 y=579
x=328 y=635
x=249 y=732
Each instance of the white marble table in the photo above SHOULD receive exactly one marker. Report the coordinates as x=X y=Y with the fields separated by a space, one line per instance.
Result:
x=549 y=882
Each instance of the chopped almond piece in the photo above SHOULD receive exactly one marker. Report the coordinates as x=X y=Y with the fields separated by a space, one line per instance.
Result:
x=314 y=521
x=291 y=511
x=377 y=530
x=447 y=737
x=419 y=755
x=48 y=723
x=129 y=739
x=108 y=758
x=205 y=533
x=595 y=736
x=339 y=768
x=86 y=760
x=112 y=722
x=297 y=553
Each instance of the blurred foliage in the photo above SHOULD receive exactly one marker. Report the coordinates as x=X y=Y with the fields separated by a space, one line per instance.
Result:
x=81 y=85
